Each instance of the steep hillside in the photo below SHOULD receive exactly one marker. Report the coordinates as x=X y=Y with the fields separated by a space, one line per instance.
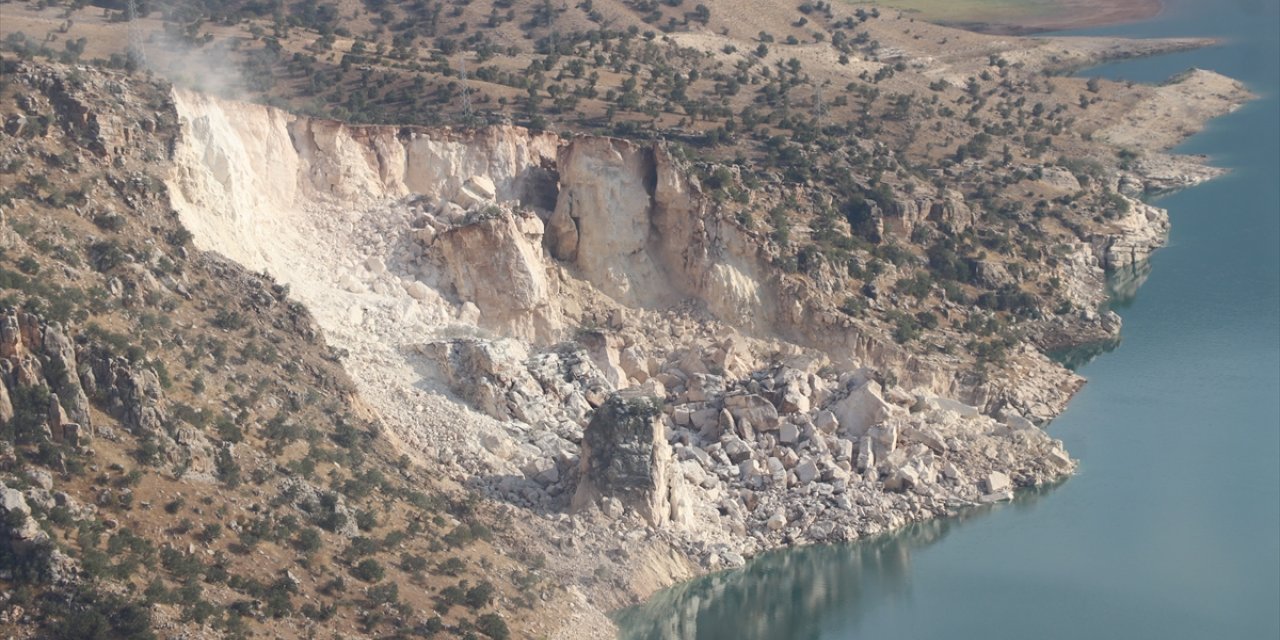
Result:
x=401 y=349
x=184 y=453
x=530 y=277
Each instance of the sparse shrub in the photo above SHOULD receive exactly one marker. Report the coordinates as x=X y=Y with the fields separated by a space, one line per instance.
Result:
x=452 y=566
x=308 y=540
x=492 y=625
x=210 y=532
x=368 y=570
x=479 y=596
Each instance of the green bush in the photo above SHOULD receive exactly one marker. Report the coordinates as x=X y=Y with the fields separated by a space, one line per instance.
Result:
x=492 y=625
x=101 y=616
x=210 y=533
x=368 y=570
x=309 y=540
x=479 y=596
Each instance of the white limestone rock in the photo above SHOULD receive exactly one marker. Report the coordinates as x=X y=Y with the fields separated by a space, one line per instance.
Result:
x=806 y=471
x=996 y=482
x=863 y=408
x=777 y=521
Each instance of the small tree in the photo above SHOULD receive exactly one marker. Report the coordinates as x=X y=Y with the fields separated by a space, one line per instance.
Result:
x=480 y=595
x=368 y=570
x=492 y=625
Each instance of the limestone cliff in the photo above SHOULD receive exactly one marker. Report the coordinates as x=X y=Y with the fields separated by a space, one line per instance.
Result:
x=492 y=290
x=607 y=223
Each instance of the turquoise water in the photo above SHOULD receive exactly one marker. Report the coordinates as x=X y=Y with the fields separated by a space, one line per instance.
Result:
x=1172 y=527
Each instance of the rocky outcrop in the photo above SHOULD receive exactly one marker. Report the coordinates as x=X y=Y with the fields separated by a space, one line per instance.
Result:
x=50 y=380
x=906 y=213
x=37 y=354
x=328 y=509
x=627 y=466
x=1137 y=231
x=951 y=210
x=132 y=395
x=495 y=261
x=17 y=520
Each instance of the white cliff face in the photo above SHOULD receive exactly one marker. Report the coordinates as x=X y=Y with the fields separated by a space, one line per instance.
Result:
x=238 y=169
x=358 y=218
x=262 y=187
x=252 y=171
x=291 y=195
x=455 y=269
x=357 y=221
x=608 y=196
x=630 y=223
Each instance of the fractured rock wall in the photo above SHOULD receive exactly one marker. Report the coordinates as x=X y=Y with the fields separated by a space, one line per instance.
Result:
x=493 y=290
x=620 y=223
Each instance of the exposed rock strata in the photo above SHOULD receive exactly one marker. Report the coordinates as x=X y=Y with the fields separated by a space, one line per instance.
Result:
x=531 y=277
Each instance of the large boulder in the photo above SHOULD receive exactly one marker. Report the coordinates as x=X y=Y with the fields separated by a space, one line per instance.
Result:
x=996 y=482
x=884 y=439
x=947 y=405
x=754 y=410
x=494 y=264
x=605 y=351
x=794 y=397
x=476 y=191
x=902 y=479
x=562 y=236
x=626 y=457
x=862 y=409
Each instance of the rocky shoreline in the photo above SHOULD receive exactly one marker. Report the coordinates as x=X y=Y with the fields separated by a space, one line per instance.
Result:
x=498 y=293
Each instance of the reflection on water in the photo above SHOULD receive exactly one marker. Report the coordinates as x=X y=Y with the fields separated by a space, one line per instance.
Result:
x=1122 y=290
x=794 y=593
x=1080 y=355
x=1123 y=284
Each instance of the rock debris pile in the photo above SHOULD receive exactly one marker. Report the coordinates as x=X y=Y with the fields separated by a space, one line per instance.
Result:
x=504 y=307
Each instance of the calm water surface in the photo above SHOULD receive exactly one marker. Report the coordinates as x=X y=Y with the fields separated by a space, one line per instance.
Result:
x=1172 y=527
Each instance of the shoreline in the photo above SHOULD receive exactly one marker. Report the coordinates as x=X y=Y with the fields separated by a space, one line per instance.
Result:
x=1200 y=169
x=959 y=515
